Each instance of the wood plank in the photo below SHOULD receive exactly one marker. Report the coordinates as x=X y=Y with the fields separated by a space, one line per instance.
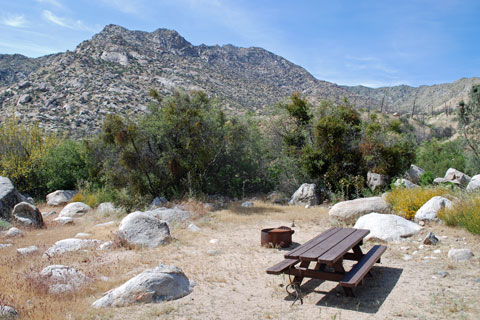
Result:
x=295 y=253
x=336 y=252
x=318 y=250
x=314 y=274
x=359 y=270
x=282 y=265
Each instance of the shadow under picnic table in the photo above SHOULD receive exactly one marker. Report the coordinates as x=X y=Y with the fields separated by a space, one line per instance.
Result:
x=369 y=297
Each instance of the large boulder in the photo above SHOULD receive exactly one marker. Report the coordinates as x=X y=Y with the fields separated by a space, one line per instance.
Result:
x=414 y=173
x=387 y=227
x=172 y=215
x=158 y=202
x=59 y=197
x=107 y=208
x=454 y=176
x=376 y=181
x=72 y=244
x=74 y=210
x=305 y=195
x=161 y=283
x=144 y=229
x=474 y=184
x=349 y=211
x=9 y=197
x=431 y=208
x=405 y=184
x=61 y=279
x=27 y=214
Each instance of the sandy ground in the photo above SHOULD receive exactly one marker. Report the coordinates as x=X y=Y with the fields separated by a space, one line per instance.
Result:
x=231 y=282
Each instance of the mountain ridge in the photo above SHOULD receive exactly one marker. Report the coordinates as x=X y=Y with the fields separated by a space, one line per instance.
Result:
x=114 y=71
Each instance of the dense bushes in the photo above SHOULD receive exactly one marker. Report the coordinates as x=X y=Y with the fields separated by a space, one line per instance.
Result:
x=406 y=202
x=436 y=157
x=335 y=148
x=23 y=149
x=464 y=213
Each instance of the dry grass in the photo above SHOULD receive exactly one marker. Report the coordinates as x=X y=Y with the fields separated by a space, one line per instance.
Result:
x=230 y=273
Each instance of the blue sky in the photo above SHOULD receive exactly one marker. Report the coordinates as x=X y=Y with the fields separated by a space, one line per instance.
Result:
x=373 y=43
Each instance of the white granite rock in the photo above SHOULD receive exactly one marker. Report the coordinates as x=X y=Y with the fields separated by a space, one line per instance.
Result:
x=387 y=227
x=14 y=232
x=431 y=208
x=74 y=210
x=59 y=197
x=143 y=229
x=305 y=194
x=460 y=254
x=27 y=250
x=161 y=283
x=61 y=279
x=474 y=184
x=349 y=211
x=71 y=244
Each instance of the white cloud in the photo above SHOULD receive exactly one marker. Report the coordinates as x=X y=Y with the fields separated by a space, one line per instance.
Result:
x=66 y=23
x=16 y=21
x=55 y=19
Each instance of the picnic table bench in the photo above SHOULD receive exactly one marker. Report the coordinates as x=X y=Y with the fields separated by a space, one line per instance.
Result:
x=329 y=250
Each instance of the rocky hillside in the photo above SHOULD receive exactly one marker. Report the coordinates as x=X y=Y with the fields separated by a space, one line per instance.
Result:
x=427 y=99
x=114 y=71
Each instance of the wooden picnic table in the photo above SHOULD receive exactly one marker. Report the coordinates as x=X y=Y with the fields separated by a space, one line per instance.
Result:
x=329 y=250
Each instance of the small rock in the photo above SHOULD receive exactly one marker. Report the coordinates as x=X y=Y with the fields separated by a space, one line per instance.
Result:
x=27 y=214
x=430 y=239
x=8 y=313
x=14 y=232
x=421 y=247
x=158 y=202
x=213 y=241
x=106 y=245
x=443 y=274
x=27 y=250
x=82 y=235
x=49 y=213
x=421 y=223
x=5 y=245
x=214 y=252
x=247 y=204
x=406 y=257
x=106 y=224
x=63 y=220
x=460 y=254
x=437 y=251
x=192 y=227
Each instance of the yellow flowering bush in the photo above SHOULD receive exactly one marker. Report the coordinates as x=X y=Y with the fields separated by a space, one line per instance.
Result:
x=465 y=213
x=405 y=202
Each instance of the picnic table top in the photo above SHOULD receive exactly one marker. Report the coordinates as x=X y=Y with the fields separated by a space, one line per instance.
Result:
x=329 y=246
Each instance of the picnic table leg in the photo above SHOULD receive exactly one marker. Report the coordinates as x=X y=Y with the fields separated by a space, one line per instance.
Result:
x=299 y=279
x=357 y=252
x=338 y=266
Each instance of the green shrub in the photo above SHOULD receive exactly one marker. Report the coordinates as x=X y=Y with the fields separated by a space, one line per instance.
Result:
x=464 y=213
x=426 y=179
x=4 y=224
x=437 y=157
x=65 y=166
